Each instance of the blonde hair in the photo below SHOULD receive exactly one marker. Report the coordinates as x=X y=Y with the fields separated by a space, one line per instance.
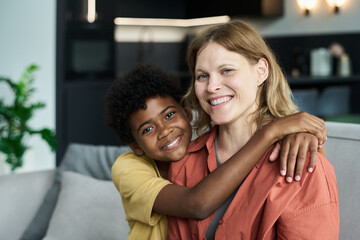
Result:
x=274 y=96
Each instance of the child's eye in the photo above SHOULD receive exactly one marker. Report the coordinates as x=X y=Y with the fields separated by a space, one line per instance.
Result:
x=169 y=115
x=201 y=77
x=147 y=130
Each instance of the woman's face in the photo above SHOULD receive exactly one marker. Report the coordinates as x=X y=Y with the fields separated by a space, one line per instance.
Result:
x=226 y=83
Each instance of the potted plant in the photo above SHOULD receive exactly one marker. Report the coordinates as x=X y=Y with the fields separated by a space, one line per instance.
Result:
x=14 y=119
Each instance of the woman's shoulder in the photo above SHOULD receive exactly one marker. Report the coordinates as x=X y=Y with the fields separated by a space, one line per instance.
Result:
x=316 y=188
x=321 y=179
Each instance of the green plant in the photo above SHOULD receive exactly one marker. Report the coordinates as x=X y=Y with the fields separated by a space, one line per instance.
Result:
x=14 y=118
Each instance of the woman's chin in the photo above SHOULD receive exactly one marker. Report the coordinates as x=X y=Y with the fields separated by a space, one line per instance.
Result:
x=219 y=121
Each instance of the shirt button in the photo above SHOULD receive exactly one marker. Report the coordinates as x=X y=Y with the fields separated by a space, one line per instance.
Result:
x=221 y=221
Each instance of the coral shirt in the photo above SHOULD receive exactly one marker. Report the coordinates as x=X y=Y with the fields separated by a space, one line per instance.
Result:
x=265 y=206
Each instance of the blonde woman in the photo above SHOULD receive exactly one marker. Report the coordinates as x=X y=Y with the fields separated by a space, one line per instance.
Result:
x=238 y=88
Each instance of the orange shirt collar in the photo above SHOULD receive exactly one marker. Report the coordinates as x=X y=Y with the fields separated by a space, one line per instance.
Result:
x=208 y=140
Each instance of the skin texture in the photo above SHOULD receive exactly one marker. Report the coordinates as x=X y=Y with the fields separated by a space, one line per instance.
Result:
x=163 y=121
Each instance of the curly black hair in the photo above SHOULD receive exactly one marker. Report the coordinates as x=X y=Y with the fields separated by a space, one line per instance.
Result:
x=129 y=93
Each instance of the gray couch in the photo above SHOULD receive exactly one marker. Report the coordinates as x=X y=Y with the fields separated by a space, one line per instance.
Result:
x=88 y=206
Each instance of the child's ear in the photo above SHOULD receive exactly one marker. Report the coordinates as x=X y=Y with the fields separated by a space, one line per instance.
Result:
x=136 y=148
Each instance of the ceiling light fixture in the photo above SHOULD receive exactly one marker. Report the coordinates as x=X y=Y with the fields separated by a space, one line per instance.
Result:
x=170 y=22
x=91 y=11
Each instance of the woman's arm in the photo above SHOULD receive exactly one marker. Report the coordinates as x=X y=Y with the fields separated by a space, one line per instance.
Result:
x=208 y=195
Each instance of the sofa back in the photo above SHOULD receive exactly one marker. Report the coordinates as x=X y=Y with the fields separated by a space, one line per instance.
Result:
x=343 y=151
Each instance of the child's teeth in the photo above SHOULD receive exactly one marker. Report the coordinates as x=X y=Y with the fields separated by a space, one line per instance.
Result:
x=173 y=143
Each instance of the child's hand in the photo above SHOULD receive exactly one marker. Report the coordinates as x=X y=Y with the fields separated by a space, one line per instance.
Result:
x=300 y=132
x=300 y=122
x=292 y=151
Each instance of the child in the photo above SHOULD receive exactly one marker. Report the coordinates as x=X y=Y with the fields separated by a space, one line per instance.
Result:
x=143 y=109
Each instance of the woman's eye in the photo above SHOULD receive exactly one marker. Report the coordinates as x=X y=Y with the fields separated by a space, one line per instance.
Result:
x=147 y=130
x=169 y=115
x=201 y=76
x=227 y=70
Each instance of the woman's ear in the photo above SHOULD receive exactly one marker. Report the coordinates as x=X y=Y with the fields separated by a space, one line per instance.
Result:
x=136 y=148
x=262 y=71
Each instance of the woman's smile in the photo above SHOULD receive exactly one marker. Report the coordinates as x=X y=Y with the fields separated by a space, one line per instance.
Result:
x=219 y=101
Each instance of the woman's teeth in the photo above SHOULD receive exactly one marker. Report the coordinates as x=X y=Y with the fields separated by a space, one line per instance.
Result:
x=220 y=100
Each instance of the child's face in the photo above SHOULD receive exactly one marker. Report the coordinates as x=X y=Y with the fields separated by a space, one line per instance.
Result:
x=161 y=131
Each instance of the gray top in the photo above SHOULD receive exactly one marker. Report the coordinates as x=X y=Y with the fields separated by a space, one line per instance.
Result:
x=210 y=232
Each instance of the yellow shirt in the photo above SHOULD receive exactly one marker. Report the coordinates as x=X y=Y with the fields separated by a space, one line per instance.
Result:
x=138 y=180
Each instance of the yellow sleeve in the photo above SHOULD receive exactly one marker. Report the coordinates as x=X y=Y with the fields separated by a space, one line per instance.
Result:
x=139 y=182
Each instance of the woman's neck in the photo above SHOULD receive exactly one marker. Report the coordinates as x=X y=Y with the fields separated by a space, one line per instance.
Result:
x=232 y=137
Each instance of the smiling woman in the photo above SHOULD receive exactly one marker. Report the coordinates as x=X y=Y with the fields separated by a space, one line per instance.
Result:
x=237 y=89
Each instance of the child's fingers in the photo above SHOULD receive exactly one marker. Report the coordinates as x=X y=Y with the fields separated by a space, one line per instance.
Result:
x=287 y=161
x=275 y=152
x=313 y=154
x=284 y=158
x=291 y=162
x=317 y=128
x=320 y=135
x=301 y=157
x=314 y=125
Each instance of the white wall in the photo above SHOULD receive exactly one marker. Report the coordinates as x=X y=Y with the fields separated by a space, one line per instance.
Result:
x=28 y=31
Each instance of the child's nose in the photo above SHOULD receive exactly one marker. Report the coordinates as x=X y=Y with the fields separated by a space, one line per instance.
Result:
x=165 y=130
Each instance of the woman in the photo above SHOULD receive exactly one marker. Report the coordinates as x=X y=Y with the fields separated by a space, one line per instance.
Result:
x=239 y=87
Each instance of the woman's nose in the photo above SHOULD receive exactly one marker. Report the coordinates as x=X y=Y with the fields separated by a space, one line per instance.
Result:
x=214 y=84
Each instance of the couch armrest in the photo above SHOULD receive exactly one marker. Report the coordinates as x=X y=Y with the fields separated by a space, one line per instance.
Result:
x=343 y=151
x=21 y=196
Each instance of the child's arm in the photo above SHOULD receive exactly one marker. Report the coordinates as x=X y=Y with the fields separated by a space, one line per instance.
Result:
x=208 y=195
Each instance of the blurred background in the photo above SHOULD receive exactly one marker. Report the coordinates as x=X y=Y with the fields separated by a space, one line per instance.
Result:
x=81 y=46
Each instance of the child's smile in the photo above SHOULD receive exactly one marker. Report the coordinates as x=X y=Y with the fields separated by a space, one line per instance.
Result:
x=173 y=143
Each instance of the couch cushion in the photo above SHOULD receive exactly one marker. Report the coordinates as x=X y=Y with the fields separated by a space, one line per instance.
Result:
x=28 y=190
x=91 y=160
x=87 y=208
